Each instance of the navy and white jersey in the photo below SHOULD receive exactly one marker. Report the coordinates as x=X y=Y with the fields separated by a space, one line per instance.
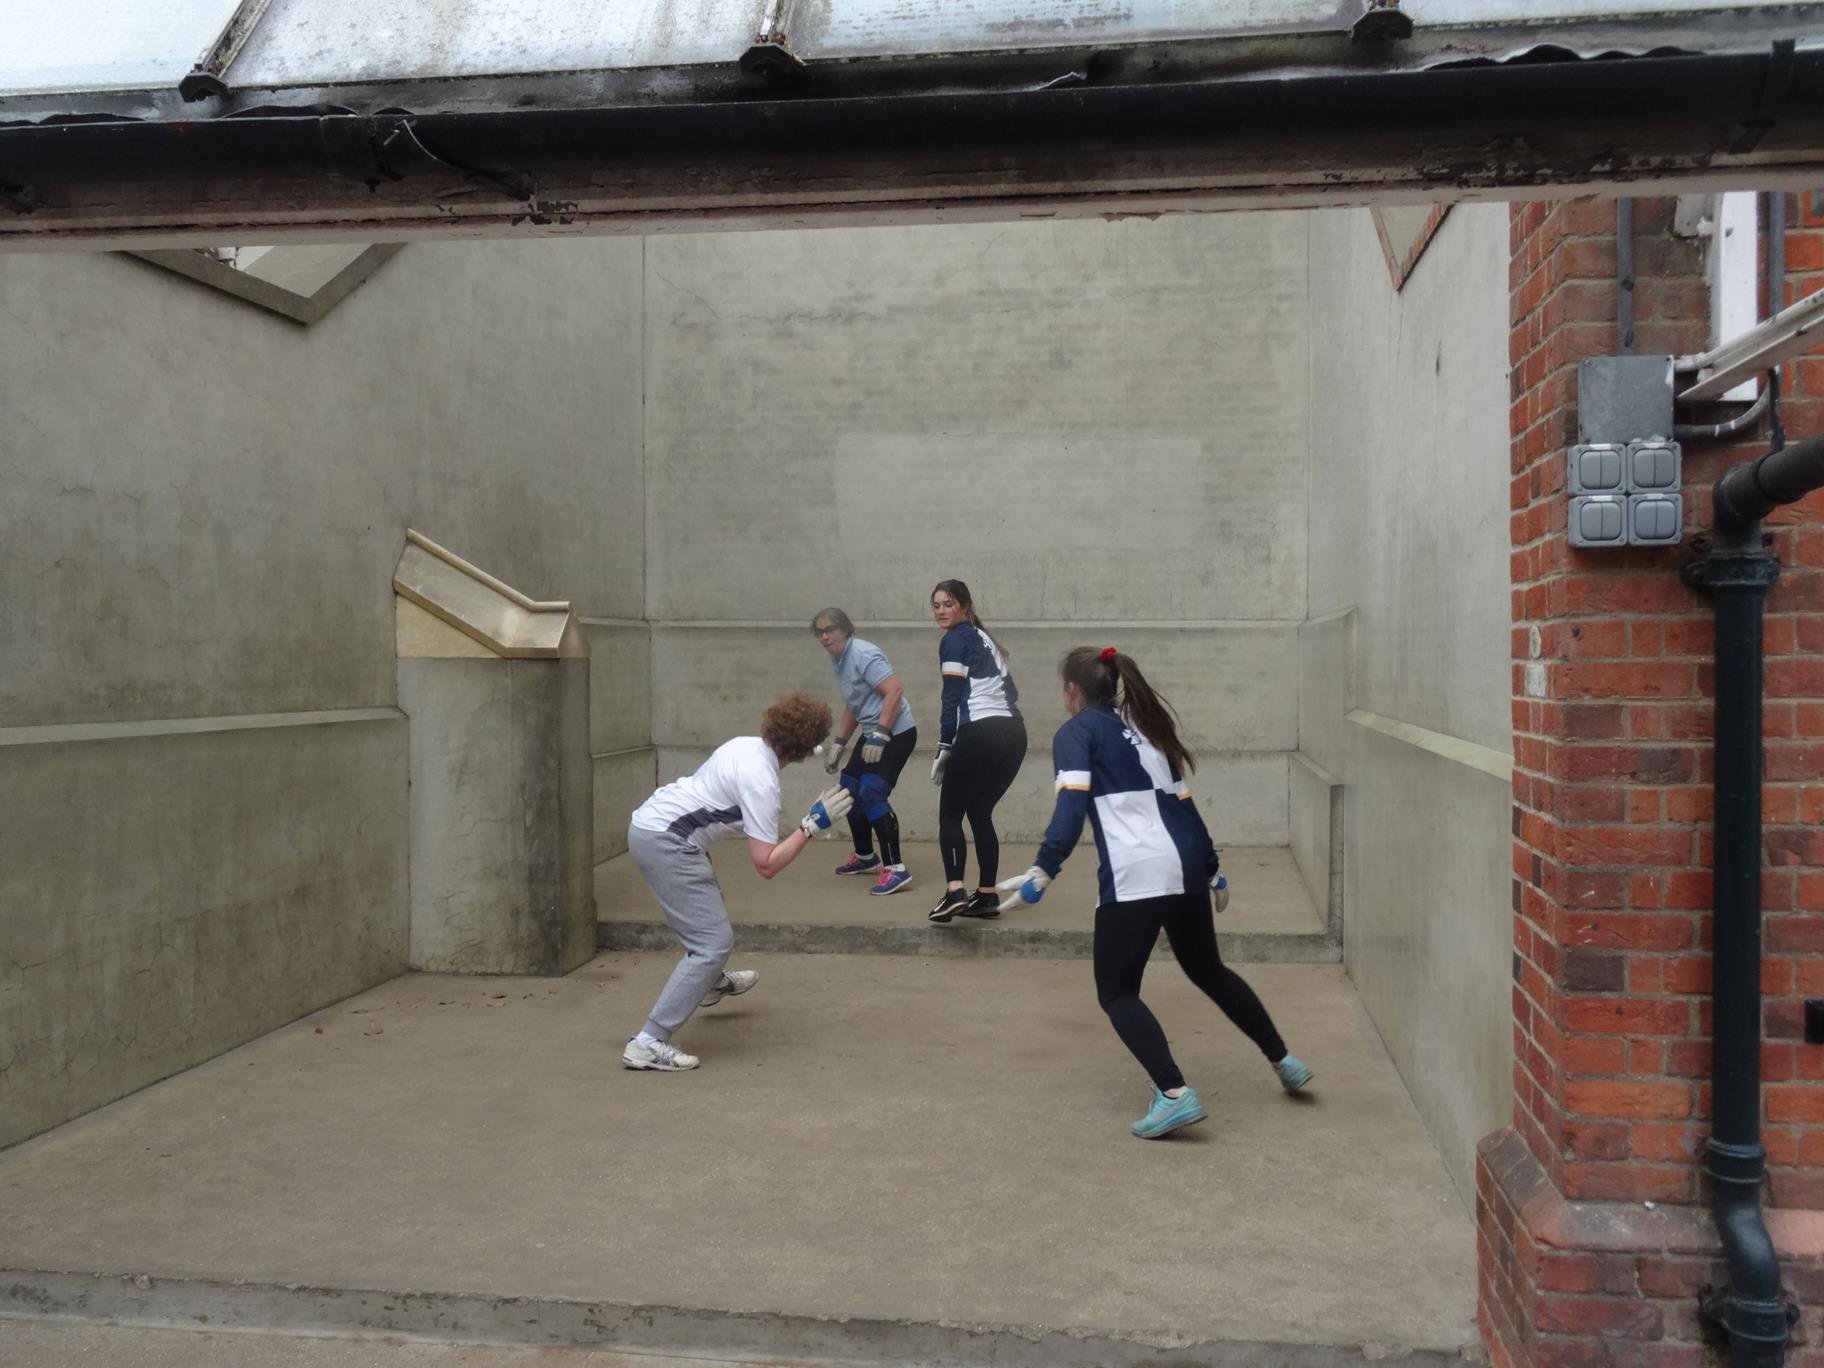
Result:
x=1149 y=834
x=976 y=682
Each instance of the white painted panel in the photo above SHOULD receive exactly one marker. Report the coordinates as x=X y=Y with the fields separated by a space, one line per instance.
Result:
x=1735 y=275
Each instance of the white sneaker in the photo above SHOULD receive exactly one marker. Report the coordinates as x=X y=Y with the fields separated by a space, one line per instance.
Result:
x=732 y=984
x=661 y=1055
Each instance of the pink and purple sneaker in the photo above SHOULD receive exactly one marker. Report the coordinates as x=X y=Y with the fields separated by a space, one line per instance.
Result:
x=892 y=879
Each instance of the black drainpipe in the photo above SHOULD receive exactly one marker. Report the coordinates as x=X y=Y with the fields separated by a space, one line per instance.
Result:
x=1738 y=570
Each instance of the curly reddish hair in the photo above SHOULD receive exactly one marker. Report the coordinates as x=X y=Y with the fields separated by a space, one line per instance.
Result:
x=794 y=725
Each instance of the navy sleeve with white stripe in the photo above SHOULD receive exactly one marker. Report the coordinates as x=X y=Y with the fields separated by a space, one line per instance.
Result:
x=1150 y=837
x=1070 y=758
x=976 y=682
x=950 y=653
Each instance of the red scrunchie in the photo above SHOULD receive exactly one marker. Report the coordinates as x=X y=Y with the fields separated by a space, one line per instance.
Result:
x=1108 y=654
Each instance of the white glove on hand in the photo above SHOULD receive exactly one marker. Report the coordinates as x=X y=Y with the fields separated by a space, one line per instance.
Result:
x=873 y=745
x=832 y=755
x=1022 y=888
x=939 y=765
x=1219 y=892
x=834 y=804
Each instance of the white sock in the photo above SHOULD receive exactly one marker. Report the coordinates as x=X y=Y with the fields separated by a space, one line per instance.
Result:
x=648 y=1039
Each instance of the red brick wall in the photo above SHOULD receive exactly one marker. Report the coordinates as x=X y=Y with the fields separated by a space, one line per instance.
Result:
x=1611 y=814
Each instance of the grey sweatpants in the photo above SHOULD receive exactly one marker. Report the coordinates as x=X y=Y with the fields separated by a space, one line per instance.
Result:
x=683 y=880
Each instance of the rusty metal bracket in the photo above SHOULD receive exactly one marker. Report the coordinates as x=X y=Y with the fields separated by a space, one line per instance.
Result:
x=205 y=79
x=770 y=54
x=1381 y=20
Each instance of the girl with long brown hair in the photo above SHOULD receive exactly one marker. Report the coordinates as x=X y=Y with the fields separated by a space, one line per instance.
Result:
x=981 y=745
x=1122 y=766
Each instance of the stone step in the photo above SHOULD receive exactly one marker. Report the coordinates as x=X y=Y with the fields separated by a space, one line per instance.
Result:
x=674 y=1332
x=965 y=940
x=807 y=910
x=39 y=1343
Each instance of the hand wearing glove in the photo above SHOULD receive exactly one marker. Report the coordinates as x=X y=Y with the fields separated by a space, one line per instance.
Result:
x=1219 y=892
x=1022 y=888
x=834 y=804
x=873 y=745
x=939 y=765
x=832 y=754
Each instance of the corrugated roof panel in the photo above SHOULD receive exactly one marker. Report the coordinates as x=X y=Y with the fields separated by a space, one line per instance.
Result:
x=335 y=42
x=908 y=28
x=80 y=45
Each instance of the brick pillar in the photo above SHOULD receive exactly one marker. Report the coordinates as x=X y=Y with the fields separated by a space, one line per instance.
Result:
x=1593 y=1240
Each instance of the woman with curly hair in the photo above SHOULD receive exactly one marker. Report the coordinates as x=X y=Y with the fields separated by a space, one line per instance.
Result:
x=735 y=790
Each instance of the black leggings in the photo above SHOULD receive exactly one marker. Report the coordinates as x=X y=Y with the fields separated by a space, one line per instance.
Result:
x=983 y=762
x=1125 y=936
x=892 y=761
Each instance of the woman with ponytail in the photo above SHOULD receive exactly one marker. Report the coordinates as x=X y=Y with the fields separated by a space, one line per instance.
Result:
x=1121 y=765
x=981 y=744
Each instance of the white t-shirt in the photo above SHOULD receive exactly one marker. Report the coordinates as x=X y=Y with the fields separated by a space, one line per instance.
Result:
x=736 y=790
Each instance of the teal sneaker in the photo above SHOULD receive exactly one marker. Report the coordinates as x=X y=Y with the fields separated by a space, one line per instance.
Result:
x=1168 y=1114
x=1293 y=1073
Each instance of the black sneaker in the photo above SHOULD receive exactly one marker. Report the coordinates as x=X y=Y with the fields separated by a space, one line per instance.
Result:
x=953 y=901
x=987 y=906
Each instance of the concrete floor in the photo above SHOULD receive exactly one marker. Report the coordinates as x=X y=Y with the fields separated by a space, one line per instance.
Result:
x=1269 y=905
x=905 y=1142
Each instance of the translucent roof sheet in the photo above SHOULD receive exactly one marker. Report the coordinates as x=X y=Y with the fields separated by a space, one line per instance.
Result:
x=329 y=42
x=53 y=45
x=52 y=48
x=855 y=28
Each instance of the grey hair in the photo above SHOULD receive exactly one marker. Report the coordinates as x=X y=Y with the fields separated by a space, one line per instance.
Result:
x=837 y=619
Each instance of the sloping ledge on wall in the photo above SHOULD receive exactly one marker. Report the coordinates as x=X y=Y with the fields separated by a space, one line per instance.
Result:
x=491 y=614
x=495 y=687
x=1489 y=761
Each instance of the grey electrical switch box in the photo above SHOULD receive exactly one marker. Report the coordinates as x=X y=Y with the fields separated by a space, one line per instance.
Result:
x=1655 y=519
x=1598 y=468
x=1599 y=520
x=1620 y=398
x=1653 y=467
x=1624 y=475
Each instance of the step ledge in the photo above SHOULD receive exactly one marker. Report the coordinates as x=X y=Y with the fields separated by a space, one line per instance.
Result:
x=954 y=941
x=686 y=1332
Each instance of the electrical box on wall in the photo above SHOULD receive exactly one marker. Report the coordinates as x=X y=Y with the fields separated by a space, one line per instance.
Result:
x=1624 y=474
x=1626 y=495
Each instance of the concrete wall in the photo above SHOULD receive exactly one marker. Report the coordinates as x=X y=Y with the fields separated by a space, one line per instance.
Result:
x=1102 y=428
x=620 y=725
x=203 y=506
x=1405 y=698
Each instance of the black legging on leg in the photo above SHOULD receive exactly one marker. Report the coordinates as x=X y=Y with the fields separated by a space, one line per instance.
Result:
x=983 y=764
x=892 y=761
x=1125 y=936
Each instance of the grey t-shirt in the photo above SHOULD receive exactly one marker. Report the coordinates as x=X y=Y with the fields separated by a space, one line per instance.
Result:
x=860 y=670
